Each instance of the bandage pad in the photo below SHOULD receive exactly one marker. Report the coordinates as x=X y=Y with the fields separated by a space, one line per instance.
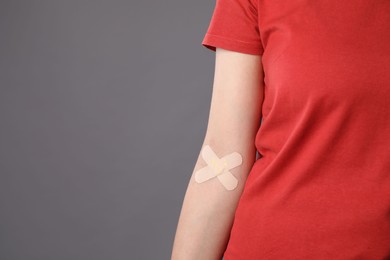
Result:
x=218 y=167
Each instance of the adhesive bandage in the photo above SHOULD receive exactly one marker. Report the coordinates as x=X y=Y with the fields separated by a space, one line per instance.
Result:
x=218 y=167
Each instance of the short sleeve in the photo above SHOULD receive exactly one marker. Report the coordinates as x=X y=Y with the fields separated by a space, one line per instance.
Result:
x=234 y=26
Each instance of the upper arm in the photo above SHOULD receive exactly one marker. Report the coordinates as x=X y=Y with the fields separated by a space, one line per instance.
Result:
x=235 y=109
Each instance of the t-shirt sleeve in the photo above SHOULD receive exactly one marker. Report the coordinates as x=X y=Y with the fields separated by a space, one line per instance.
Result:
x=234 y=26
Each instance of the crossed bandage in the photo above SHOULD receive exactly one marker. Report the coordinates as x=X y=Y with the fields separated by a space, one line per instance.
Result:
x=218 y=167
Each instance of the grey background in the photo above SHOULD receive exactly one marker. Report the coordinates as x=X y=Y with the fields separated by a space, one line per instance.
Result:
x=103 y=108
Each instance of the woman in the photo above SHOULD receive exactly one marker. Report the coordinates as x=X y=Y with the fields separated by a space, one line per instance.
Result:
x=318 y=74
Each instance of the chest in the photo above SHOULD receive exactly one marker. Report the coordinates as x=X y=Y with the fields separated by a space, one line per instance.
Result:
x=339 y=50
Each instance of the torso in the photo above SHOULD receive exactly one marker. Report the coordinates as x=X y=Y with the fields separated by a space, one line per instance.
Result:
x=321 y=189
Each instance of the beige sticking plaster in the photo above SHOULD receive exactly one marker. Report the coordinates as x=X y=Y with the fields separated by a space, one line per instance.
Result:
x=219 y=167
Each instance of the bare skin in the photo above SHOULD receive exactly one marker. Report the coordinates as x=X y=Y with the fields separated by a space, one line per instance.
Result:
x=208 y=208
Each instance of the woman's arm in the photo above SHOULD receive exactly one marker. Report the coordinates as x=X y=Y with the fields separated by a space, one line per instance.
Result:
x=208 y=208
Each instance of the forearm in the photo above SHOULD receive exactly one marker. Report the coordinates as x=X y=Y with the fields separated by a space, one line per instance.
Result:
x=208 y=209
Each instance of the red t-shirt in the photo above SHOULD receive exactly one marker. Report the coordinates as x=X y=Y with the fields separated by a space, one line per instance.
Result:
x=321 y=189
